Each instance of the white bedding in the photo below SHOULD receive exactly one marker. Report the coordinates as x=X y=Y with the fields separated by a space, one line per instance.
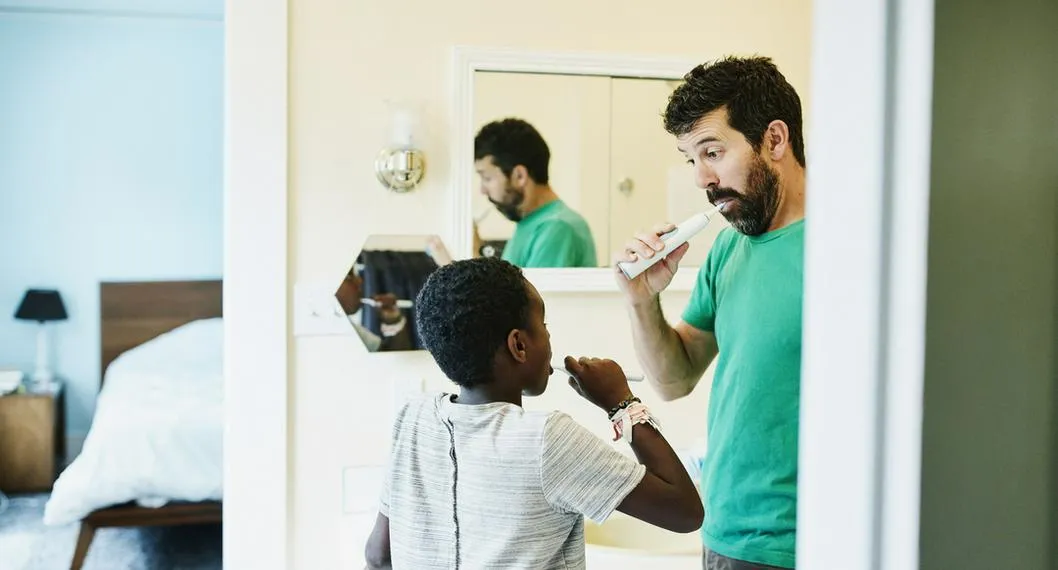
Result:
x=157 y=434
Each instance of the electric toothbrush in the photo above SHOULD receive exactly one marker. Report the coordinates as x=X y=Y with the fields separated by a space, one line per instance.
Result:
x=561 y=368
x=673 y=239
x=401 y=303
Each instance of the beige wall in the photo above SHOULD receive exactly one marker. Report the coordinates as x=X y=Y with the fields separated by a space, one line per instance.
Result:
x=347 y=59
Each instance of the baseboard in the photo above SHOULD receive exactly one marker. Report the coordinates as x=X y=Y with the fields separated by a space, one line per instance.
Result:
x=74 y=443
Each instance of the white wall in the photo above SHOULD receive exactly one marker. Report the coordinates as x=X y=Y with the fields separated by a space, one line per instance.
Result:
x=347 y=58
x=110 y=166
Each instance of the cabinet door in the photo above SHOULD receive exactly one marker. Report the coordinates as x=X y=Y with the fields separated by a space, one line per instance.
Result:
x=650 y=181
x=27 y=443
x=572 y=113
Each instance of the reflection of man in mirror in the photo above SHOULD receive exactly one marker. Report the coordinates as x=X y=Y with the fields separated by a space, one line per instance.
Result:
x=395 y=332
x=512 y=160
x=738 y=122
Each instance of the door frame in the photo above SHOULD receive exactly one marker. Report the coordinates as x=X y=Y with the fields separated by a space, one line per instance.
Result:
x=257 y=477
x=865 y=285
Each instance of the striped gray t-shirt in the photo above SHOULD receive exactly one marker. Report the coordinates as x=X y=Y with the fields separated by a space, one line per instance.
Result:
x=496 y=486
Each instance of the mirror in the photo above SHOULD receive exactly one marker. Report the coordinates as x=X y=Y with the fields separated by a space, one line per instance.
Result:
x=377 y=293
x=612 y=165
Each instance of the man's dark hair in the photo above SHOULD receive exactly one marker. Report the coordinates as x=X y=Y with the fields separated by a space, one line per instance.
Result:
x=511 y=142
x=464 y=313
x=752 y=90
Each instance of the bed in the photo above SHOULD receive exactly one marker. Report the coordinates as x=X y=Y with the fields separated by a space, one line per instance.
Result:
x=153 y=455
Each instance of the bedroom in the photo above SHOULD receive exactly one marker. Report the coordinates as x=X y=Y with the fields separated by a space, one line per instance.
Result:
x=111 y=172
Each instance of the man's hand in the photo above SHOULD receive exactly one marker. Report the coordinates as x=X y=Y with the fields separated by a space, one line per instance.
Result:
x=649 y=284
x=599 y=381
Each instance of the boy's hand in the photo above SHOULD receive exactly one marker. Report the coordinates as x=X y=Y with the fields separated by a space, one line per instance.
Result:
x=387 y=308
x=600 y=381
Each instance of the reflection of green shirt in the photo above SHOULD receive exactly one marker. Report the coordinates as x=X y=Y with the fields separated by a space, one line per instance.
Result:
x=552 y=235
x=749 y=294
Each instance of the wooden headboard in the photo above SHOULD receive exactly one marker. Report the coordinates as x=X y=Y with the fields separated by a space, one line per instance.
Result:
x=133 y=312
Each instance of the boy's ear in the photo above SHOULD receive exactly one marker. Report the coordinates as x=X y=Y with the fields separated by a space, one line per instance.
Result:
x=516 y=345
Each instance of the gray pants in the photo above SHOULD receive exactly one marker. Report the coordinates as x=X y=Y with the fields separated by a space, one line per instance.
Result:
x=714 y=561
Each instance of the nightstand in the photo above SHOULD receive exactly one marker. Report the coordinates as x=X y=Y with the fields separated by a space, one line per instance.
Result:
x=32 y=439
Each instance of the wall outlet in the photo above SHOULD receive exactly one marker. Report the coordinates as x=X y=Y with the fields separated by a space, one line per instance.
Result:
x=361 y=488
x=317 y=312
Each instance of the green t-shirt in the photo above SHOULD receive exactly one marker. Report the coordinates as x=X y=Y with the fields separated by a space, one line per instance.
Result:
x=552 y=235
x=749 y=294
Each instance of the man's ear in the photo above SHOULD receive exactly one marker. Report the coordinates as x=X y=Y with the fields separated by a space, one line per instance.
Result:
x=519 y=176
x=516 y=345
x=777 y=140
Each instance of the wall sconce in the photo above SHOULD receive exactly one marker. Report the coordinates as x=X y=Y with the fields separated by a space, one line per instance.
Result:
x=400 y=166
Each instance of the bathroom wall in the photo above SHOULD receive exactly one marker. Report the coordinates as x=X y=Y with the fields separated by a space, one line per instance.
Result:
x=989 y=483
x=347 y=59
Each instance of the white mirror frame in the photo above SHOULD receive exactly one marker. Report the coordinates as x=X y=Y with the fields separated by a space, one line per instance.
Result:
x=469 y=60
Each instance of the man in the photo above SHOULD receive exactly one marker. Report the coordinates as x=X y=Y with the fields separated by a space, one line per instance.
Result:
x=395 y=333
x=738 y=122
x=475 y=480
x=512 y=160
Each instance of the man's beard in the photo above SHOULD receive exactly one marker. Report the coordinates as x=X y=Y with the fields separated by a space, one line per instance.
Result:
x=751 y=213
x=509 y=206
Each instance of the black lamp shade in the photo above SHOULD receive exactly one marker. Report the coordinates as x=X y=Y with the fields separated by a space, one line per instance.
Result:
x=41 y=305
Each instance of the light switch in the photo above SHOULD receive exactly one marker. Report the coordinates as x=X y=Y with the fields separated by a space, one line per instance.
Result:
x=361 y=487
x=317 y=312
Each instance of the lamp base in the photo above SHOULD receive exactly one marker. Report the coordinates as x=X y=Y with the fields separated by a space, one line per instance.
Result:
x=42 y=377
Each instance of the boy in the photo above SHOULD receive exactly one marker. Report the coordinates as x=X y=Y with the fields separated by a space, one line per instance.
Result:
x=476 y=481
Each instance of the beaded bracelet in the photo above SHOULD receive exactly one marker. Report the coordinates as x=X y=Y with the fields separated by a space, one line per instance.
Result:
x=624 y=404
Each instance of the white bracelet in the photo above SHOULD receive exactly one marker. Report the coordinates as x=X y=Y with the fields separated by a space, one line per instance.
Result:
x=393 y=329
x=626 y=418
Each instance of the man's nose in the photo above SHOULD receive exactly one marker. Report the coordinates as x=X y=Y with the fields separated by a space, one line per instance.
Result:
x=704 y=176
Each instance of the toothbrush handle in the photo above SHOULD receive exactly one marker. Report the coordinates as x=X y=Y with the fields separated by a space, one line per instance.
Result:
x=673 y=239
x=400 y=304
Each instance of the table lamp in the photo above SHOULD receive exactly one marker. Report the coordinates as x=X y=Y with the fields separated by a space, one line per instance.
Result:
x=43 y=306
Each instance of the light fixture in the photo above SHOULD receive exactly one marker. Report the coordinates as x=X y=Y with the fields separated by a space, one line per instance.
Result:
x=400 y=166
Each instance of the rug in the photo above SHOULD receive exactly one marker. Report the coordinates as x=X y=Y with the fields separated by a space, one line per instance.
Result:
x=26 y=543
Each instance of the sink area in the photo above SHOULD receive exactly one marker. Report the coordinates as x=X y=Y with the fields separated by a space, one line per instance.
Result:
x=623 y=539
